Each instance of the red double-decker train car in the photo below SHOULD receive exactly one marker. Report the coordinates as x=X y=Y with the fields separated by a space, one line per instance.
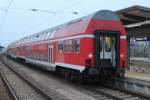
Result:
x=94 y=45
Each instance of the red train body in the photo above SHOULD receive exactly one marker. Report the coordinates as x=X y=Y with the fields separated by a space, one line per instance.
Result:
x=94 y=44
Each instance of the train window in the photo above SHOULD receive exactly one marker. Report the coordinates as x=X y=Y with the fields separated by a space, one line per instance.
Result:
x=101 y=43
x=48 y=33
x=40 y=37
x=77 y=45
x=68 y=47
x=60 y=46
x=44 y=37
x=109 y=42
x=51 y=34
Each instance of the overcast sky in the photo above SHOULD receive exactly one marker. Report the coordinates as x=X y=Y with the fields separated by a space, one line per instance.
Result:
x=19 y=21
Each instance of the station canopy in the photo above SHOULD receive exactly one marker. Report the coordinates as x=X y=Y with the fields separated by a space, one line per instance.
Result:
x=136 y=20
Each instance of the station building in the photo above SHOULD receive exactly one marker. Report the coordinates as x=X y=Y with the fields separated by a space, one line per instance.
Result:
x=136 y=20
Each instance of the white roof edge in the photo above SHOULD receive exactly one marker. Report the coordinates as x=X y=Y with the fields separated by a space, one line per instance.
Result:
x=137 y=24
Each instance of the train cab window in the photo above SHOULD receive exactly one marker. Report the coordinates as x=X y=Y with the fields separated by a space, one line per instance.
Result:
x=109 y=42
x=101 y=43
x=77 y=45
x=68 y=47
x=60 y=46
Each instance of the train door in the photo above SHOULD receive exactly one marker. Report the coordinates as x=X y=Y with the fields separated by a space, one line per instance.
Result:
x=107 y=49
x=50 y=54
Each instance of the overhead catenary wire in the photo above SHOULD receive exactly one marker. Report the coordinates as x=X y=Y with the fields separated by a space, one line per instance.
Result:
x=33 y=9
x=5 y=9
x=5 y=15
x=61 y=11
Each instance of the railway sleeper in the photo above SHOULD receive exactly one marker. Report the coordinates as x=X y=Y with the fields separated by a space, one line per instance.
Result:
x=118 y=94
x=128 y=97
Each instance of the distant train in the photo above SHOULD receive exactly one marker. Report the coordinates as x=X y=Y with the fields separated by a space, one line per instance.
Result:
x=91 y=46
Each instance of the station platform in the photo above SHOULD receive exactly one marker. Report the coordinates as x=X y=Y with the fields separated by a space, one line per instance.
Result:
x=139 y=59
x=140 y=65
x=138 y=75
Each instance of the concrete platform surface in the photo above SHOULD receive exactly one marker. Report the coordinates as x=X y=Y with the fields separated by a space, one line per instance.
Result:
x=138 y=75
x=139 y=59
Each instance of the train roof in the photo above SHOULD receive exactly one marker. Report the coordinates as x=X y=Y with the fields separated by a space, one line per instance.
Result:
x=70 y=28
x=102 y=14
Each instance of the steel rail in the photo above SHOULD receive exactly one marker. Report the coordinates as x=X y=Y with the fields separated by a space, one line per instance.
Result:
x=103 y=93
x=9 y=89
x=120 y=87
x=29 y=81
x=121 y=90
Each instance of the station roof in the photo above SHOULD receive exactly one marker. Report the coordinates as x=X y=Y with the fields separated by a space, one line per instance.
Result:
x=134 y=14
x=136 y=20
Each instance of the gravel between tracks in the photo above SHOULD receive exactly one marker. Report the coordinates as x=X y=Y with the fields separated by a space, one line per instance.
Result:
x=3 y=92
x=22 y=89
x=59 y=89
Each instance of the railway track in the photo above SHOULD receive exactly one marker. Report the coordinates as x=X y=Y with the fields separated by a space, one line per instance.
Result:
x=114 y=90
x=115 y=94
x=119 y=89
x=8 y=87
x=124 y=89
x=139 y=89
x=26 y=79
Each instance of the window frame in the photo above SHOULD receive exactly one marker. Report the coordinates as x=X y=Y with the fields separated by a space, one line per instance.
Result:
x=78 y=44
x=111 y=43
x=101 y=44
x=62 y=43
x=71 y=50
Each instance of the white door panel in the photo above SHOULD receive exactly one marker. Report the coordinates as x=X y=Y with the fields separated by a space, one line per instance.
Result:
x=107 y=48
x=50 y=54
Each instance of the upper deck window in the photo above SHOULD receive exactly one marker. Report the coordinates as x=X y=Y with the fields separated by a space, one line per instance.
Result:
x=51 y=34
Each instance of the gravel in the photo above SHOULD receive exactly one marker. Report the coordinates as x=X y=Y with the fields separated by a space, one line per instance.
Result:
x=59 y=88
x=3 y=92
x=22 y=89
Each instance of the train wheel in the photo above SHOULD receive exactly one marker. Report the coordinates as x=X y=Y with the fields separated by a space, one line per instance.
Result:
x=67 y=74
x=121 y=73
x=82 y=79
x=85 y=78
x=74 y=76
x=103 y=76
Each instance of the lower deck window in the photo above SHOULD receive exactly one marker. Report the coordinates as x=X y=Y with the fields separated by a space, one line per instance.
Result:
x=60 y=46
x=77 y=45
x=68 y=47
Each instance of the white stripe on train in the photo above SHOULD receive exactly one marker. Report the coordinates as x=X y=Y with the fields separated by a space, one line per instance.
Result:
x=49 y=66
x=67 y=38
x=52 y=67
